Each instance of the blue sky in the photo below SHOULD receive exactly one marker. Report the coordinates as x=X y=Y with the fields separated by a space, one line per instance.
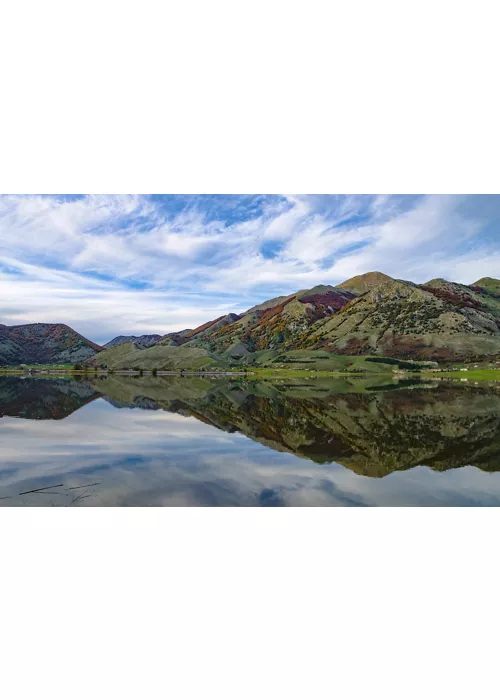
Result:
x=132 y=264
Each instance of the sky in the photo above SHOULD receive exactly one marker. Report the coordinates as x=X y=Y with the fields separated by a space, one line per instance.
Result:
x=110 y=265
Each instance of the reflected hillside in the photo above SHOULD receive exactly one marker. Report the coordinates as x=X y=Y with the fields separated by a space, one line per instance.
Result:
x=373 y=430
x=43 y=399
x=370 y=426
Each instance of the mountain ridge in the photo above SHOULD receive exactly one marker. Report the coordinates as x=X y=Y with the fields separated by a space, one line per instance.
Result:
x=369 y=315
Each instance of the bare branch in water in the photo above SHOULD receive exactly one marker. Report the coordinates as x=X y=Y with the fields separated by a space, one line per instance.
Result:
x=44 y=488
x=70 y=488
x=79 y=498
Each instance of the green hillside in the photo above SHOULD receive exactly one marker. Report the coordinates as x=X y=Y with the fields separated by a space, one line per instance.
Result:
x=162 y=357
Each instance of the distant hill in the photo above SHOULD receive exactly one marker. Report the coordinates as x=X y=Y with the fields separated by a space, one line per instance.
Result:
x=44 y=343
x=145 y=340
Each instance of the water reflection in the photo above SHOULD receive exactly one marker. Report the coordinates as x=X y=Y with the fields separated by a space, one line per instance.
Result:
x=184 y=441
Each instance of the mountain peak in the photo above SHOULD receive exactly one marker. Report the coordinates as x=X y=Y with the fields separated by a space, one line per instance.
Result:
x=363 y=283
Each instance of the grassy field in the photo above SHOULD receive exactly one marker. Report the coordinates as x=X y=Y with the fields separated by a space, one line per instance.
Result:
x=286 y=373
x=264 y=364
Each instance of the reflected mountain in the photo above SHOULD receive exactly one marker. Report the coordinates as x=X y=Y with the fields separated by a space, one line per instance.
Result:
x=371 y=426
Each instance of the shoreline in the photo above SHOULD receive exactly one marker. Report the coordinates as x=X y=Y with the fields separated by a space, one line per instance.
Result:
x=264 y=373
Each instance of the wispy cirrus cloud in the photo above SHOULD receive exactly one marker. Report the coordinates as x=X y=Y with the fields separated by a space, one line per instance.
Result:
x=109 y=264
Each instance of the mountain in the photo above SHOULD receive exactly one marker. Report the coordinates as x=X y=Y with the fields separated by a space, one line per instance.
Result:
x=200 y=333
x=368 y=315
x=145 y=340
x=439 y=320
x=44 y=343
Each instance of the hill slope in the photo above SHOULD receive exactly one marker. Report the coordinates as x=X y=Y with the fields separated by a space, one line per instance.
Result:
x=270 y=326
x=50 y=343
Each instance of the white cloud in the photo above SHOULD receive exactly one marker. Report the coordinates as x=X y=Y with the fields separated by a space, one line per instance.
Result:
x=99 y=310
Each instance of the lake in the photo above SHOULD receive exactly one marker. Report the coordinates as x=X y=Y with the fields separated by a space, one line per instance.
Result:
x=232 y=441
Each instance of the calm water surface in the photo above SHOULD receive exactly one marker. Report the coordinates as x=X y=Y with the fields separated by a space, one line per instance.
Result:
x=171 y=441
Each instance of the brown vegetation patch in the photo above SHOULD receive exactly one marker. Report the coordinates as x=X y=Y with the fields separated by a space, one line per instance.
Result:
x=354 y=346
x=330 y=300
x=482 y=290
x=455 y=298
